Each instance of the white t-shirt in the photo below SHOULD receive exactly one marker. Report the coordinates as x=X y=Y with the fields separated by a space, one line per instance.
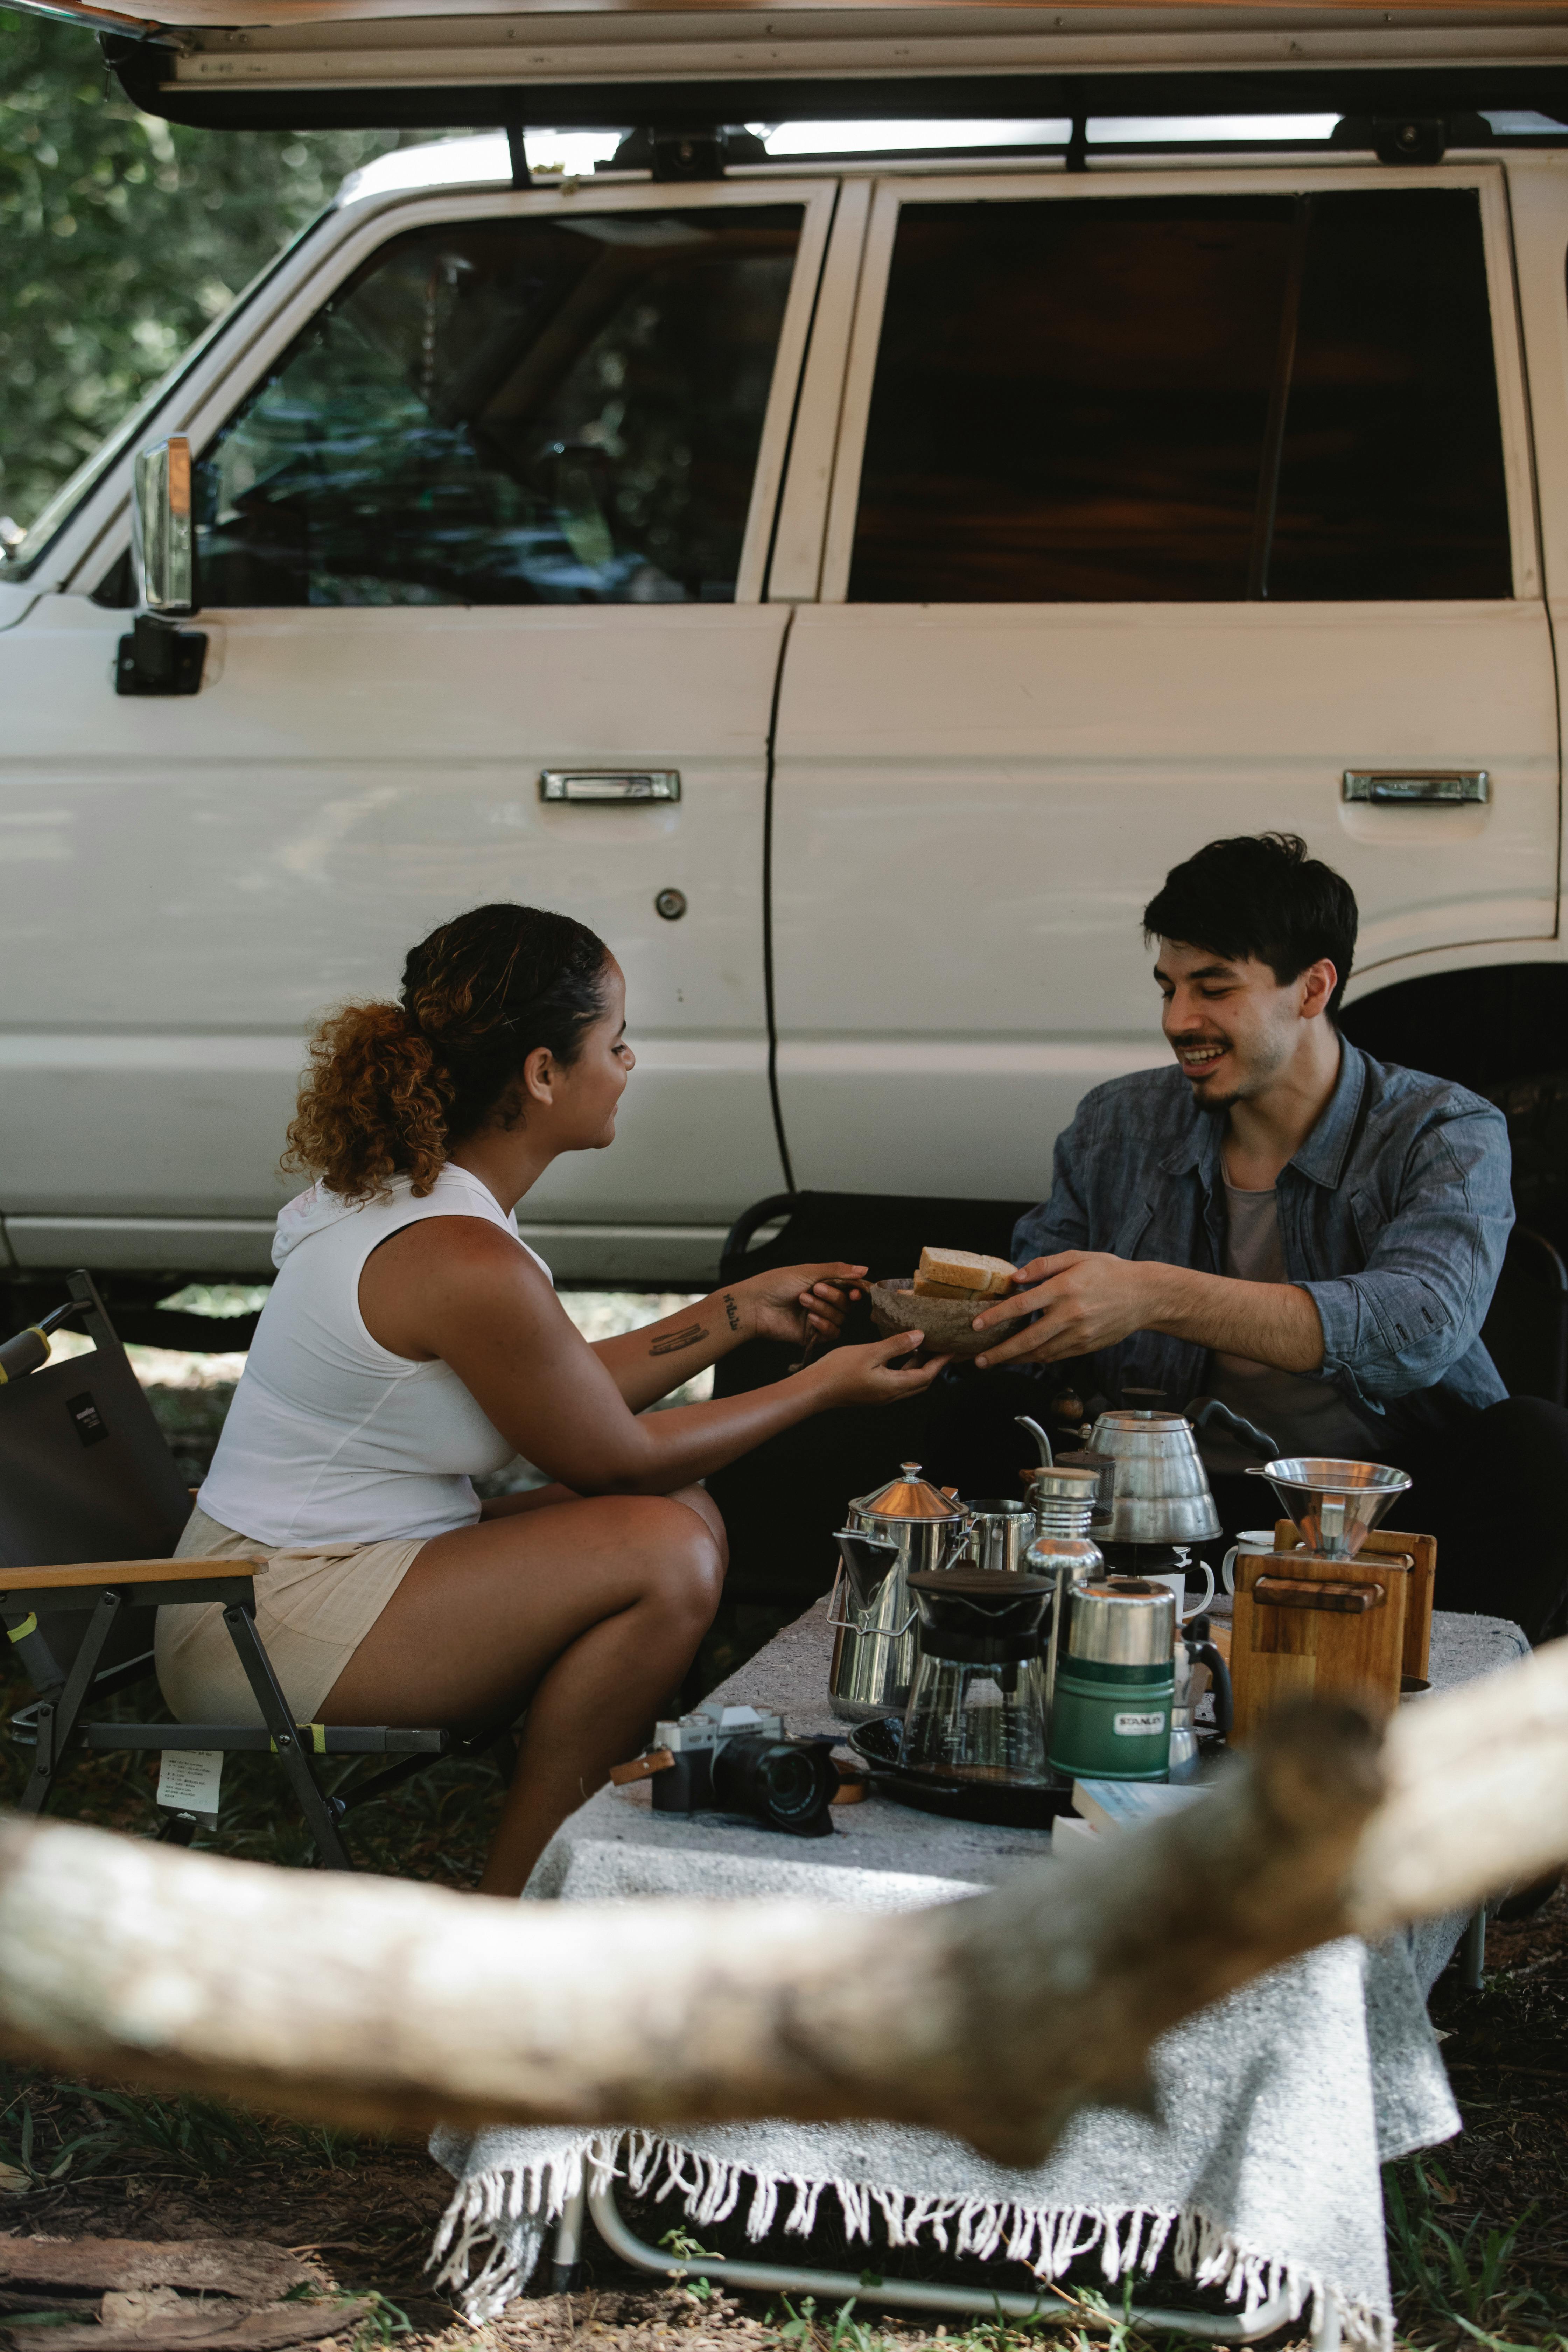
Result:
x=332 y=1438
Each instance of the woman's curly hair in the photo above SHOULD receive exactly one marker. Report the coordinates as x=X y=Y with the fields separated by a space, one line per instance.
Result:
x=391 y=1088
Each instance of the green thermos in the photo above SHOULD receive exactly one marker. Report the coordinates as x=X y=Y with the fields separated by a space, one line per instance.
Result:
x=1111 y=1714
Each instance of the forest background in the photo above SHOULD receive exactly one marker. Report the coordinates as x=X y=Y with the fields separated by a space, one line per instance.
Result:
x=122 y=238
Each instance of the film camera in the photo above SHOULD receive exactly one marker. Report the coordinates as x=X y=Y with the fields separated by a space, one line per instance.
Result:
x=736 y=1760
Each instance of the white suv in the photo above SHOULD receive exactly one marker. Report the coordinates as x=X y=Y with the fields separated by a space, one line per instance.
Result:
x=846 y=584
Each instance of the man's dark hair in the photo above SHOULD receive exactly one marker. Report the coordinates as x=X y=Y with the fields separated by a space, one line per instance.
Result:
x=1259 y=895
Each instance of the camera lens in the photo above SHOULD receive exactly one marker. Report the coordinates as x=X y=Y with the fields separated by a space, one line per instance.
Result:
x=788 y=1782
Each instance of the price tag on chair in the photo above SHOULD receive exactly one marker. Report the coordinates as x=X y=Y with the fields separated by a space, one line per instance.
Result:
x=188 y=1780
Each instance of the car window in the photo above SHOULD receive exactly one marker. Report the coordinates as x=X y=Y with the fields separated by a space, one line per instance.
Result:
x=1391 y=476
x=513 y=412
x=1168 y=398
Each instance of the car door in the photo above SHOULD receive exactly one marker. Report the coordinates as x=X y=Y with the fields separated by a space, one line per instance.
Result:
x=482 y=526
x=1166 y=506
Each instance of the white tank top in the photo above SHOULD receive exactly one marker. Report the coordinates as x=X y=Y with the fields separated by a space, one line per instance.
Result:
x=330 y=1438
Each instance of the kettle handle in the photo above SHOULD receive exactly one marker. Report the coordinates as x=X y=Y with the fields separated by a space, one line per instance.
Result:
x=1209 y=1412
x=1205 y=1653
x=958 y=1536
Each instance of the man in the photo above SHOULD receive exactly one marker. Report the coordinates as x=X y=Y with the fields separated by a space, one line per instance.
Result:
x=1309 y=1234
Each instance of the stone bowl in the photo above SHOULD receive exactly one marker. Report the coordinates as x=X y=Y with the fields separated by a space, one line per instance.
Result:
x=945 y=1322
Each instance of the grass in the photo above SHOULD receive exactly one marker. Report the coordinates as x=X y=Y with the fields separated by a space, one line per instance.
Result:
x=1467 y=2280
x=49 y=2129
x=1087 y=2323
x=1478 y=2237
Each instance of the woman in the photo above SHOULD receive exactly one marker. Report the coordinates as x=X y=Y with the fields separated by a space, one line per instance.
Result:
x=412 y=1342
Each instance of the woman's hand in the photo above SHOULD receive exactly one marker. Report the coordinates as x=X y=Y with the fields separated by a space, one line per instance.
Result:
x=877 y=1374
x=792 y=1302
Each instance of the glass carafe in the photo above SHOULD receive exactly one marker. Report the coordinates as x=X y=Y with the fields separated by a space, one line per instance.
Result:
x=978 y=1706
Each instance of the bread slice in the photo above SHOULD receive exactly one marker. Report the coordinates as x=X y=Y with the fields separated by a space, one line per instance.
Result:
x=965 y=1272
x=925 y=1290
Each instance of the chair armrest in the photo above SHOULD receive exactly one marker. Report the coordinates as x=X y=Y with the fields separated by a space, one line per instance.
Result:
x=98 y=1573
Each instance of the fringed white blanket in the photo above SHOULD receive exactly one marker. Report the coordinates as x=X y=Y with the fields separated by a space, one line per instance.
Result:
x=495 y=2231
x=1256 y=2175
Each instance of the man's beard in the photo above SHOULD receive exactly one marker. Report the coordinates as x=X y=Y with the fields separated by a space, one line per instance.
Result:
x=1253 y=1075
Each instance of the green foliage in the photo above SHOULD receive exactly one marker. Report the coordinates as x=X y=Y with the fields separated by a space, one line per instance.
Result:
x=122 y=238
x=1078 y=2320
x=681 y=2242
x=381 y=2323
x=838 y=2331
x=1470 y=2280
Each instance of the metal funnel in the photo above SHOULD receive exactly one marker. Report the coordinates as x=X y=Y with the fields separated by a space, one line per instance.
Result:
x=1335 y=1505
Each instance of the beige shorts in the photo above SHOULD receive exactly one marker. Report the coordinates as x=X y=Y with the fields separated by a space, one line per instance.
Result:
x=314 y=1608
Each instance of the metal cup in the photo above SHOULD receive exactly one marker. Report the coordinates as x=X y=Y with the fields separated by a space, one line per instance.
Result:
x=1001 y=1535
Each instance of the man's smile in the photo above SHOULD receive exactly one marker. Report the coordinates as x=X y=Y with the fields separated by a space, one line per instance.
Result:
x=1197 y=1058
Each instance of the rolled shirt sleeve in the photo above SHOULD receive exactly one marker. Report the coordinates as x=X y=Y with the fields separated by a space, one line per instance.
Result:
x=1434 y=1240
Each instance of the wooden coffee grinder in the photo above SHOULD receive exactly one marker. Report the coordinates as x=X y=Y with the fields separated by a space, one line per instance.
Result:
x=1341 y=1606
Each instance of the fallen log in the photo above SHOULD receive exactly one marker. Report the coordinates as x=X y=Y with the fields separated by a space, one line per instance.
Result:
x=129 y=2294
x=378 y=2002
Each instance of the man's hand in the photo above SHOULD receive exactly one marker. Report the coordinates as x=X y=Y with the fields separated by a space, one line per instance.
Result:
x=1085 y=1300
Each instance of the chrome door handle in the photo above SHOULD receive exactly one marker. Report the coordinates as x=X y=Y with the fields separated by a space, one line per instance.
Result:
x=1440 y=788
x=610 y=784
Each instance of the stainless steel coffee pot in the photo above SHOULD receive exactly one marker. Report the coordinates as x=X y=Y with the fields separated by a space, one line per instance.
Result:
x=923 y=1526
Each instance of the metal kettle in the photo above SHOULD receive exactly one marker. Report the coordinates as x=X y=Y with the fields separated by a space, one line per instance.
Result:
x=1160 y=1492
x=910 y=1524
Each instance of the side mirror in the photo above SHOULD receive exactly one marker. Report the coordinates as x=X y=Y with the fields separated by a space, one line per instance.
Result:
x=163 y=532
x=158 y=656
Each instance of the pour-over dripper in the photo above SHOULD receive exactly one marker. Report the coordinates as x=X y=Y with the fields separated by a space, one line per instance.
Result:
x=977 y=1707
x=1335 y=1504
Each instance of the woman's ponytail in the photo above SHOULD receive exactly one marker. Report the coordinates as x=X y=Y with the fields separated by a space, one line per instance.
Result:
x=392 y=1088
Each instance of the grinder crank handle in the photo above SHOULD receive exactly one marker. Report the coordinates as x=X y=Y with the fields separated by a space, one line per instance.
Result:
x=1209 y=1412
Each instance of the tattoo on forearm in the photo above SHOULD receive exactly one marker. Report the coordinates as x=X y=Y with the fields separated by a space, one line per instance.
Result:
x=674 y=1341
x=732 y=1311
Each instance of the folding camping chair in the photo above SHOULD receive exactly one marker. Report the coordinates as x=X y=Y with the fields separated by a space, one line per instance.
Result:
x=91 y=1506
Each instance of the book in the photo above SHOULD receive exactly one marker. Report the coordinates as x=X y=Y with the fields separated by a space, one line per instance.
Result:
x=1123 y=1804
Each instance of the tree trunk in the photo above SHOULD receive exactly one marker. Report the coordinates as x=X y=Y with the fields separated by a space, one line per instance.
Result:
x=373 y=2001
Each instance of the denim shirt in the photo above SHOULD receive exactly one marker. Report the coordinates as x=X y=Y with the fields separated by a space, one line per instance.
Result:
x=1393 y=1216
